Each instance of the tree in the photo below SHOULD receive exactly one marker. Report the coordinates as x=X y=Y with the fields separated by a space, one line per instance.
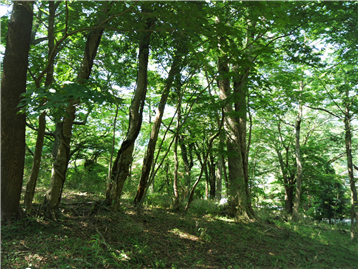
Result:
x=31 y=184
x=13 y=84
x=148 y=159
x=295 y=213
x=54 y=193
x=343 y=84
x=123 y=160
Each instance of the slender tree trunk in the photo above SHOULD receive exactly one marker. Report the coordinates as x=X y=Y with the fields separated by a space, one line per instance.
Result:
x=113 y=143
x=13 y=84
x=31 y=184
x=123 y=161
x=149 y=156
x=354 y=200
x=206 y=181
x=226 y=178
x=176 y=161
x=204 y=168
x=187 y=158
x=212 y=178
x=219 y=172
x=288 y=180
x=176 y=171
x=203 y=163
x=296 y=207
x=59 y=168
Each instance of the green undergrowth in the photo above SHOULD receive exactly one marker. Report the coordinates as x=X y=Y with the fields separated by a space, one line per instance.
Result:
x=88 y=235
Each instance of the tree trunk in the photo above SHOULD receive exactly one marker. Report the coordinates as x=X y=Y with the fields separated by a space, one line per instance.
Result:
x=59 y=168
x=206 y=181
x=212 y=178
x=204 y=168
x=219 y=172
x=296 y=207
x=31 y=184
x=288 y=179
x=235 y=125
x=113 y=144
x=188 y=163
x=203 y=164
x=176 y=161
x=149 y=156
x=289 y=198
x=13 y=84
x=124 y=157
x=176 y=171
x=354 y=200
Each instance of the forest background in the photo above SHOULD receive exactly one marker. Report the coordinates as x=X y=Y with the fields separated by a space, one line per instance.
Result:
x=252 y=105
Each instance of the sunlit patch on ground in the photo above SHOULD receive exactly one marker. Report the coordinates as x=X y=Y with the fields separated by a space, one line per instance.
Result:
x=184 y=235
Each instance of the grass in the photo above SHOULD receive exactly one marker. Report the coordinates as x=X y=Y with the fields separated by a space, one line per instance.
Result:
x=90 y=236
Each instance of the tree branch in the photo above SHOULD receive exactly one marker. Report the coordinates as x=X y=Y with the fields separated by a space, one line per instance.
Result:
x=36 y=129
x=325 y=110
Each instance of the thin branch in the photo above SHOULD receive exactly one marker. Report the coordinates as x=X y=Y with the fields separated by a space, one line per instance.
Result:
x=324 y=86
x=336 y=158
x=53 y=52
x=325 y=110
x=29 y=150
x=36 y=129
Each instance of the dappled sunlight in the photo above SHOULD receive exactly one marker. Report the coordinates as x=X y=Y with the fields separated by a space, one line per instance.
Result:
x=184 y=235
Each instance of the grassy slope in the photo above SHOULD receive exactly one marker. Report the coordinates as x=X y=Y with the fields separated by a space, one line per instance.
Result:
x=159 y=238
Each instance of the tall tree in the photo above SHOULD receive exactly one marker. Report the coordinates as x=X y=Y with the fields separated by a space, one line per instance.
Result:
x=295 y=213
x=31 y=184
x=149 y=155
x=123 y=160
x=288 y=175
x=13 y=84
x=344 y=108
x=54 y=193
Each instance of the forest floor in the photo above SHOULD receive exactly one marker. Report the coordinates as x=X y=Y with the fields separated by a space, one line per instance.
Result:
x=90 y=236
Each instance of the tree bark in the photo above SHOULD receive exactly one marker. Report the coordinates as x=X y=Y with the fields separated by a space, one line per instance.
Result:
x=123 y=160
x=289 y=198
x=149 y=156
x=296 y=207
x=13 y=84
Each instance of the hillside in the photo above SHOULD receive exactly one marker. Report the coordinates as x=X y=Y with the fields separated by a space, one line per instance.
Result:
x=90 y=236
